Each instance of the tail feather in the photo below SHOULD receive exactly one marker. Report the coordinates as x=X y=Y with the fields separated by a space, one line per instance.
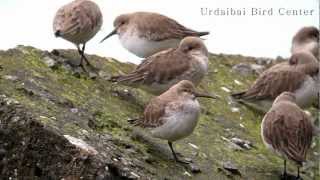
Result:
x=114 y=79
x=238 y=95
x=203 y=33
x=129 y=78
x=134 y=122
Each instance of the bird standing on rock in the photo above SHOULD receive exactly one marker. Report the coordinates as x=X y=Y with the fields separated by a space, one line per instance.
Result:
x=77 y=22
x=287 y=130
x=145 y=33
x=174 y=114
x=159 y=72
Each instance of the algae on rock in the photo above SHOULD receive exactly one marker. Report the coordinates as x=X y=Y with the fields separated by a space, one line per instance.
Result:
x=57 y=101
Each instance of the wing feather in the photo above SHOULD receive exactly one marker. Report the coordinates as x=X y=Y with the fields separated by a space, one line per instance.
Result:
x=272 y=83
x=169 y=29
x=158 y=68
x=290 y=134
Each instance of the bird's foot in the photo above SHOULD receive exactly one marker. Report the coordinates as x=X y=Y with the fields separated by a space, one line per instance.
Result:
x=91 y=71
x=287 y=176
x=284 y=176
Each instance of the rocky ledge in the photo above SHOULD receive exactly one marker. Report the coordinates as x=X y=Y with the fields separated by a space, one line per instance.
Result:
x=57 y=122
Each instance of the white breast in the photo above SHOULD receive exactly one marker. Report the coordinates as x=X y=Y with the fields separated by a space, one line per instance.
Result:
x=142 y=47
x=312 y=47
x=199 y=68
x=308 y=91
x=179 y=124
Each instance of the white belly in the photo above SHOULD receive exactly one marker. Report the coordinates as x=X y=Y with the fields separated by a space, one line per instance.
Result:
x=312 y=47
x=179 y=124
x=200 y=68
x=142 y=47
x=308 y=92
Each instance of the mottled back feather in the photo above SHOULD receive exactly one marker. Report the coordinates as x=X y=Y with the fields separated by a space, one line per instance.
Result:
x=272 y=83
x=158 y=68
x=78 y=21
x=168 y=29
x=288 y=130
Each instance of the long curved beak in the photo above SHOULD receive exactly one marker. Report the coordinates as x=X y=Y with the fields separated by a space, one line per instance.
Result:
x=197 y=94
x=109 y=35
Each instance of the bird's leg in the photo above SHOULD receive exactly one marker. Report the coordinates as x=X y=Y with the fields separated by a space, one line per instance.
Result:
x=81 y=59
x=85 y=58
x=175 y=155
x=298 y=175
x=284 y=175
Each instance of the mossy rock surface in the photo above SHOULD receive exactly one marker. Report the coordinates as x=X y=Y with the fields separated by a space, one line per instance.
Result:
x=39 y=105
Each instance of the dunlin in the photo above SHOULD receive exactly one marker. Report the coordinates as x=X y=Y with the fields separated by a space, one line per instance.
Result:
x=306 y=39
x=287 y=130
x=144 y=33
x=299 y=76
x=78 y=22
x=159 y=72
x=174 y=114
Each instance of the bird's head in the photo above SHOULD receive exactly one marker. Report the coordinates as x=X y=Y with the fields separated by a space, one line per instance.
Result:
x=120 y=25
x=307 y=33
x=285 y=96
x=193 y=45
x=187 y=90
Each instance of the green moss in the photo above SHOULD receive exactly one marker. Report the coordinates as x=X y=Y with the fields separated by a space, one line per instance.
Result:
x=95 y=100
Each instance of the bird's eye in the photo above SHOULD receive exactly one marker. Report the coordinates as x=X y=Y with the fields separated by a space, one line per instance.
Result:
x=187 y=90
x=190 y=48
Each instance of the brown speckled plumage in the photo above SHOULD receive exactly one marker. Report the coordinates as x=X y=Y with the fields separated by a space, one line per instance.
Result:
x=285 y=77
x=168 y=67
x=78 y=21
x=287 y=129
x=157 y=27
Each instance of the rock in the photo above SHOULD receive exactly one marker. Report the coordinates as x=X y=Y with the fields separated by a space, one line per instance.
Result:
x=194 y=168
x=227 y=90
x=51 y=63
x=11 y=78
x=74 y=110
x=235 y=110
x=81 y=145
x=258 y=69
x=242 y=143
x=246 y=69
x=243 y=69
x=231 y=167
x=43 y=105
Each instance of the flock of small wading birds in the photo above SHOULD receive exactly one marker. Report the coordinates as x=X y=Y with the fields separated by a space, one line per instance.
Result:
x=176 y=60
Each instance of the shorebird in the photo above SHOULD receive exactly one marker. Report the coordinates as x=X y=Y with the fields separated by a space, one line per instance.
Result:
x=77 y=22
x=306 y=39
x=145 y=33
x=159 y=72
x=299 y=75
x=287 y=130
x=173 y=115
